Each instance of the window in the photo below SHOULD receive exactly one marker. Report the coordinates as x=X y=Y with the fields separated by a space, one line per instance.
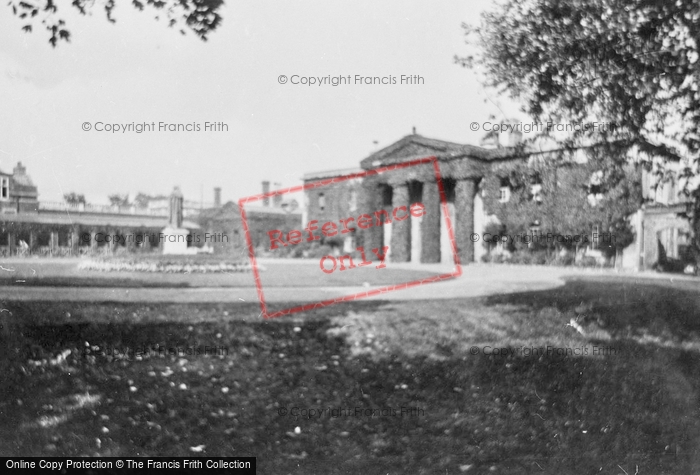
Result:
x=321 y=201
x=595 y=188
x=504 y=194
x=4 y=188
x=353 y=200
x=536 y=187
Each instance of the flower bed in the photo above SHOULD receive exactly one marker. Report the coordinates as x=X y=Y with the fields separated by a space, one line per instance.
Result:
x=165 y=266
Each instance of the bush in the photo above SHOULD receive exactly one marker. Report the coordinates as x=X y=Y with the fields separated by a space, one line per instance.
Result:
x=567 y=259
x=587 y=261
x=528 y=257
x=318 y=251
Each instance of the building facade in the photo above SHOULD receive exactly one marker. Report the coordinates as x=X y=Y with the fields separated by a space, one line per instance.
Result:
x=275 y=213
x=31 y=227
x=661 y=230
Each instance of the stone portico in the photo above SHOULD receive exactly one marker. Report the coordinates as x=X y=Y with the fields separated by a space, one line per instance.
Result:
x=423 y=239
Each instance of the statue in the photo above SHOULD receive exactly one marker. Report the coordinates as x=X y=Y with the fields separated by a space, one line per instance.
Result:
x=176 y=201
x=174 y=237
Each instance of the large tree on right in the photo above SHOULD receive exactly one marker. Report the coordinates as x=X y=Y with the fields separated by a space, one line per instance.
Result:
x=631 y=63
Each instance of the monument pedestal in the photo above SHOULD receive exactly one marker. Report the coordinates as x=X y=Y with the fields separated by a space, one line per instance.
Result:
x=175 y=241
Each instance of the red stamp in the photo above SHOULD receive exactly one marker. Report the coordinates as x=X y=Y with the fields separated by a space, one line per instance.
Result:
x=373 y=225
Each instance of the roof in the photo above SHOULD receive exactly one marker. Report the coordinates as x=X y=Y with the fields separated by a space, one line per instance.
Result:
x=416 y=146
x=92 y=219
x=23 y=180
x=250 y=209
x=257 y=209
x=331 y=173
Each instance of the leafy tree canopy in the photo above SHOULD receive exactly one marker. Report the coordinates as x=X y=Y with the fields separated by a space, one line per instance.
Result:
x=142 y=199
x=199 y=16
x=74 y=198
x=631 y=63
x=119 y=200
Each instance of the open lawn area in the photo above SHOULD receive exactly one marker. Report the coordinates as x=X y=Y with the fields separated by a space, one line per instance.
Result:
x=503 y=384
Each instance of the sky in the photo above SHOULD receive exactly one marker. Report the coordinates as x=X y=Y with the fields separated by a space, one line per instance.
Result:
x=140 y=71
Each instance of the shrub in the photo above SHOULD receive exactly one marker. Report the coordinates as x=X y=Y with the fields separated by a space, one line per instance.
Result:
x=567 y=259
x=587 y=261
x=528 y=257
x=318 y=251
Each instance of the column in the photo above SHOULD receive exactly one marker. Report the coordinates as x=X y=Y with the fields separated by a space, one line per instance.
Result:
x=147 y=236
x=401 y=230
x=114 y=244
x=371 y=202
x=11 y=242
x=32 y=240
x=93 y=239
x=430 y=227
x=53 y=243
x=75 y=240
x=130 y=236
x=464 y=226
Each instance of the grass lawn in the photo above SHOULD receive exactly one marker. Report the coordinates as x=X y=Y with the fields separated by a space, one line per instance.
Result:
x=65 y=273
x=630 y=405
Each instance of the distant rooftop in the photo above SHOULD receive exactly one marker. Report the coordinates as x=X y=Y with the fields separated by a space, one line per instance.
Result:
x=331 y=173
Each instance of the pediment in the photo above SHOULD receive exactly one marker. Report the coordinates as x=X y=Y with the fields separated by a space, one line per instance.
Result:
x=410 y=149
x=407 y=148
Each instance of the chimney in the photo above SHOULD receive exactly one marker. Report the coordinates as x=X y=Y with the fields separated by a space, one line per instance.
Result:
x=277 y=199
x=513 y=135
x=19 y=169
x=514 y=138
x=265 y=190
x=217 y=197
x=489 y=141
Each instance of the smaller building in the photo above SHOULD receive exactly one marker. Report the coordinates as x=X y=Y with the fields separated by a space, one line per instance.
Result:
x=17 y=191
x=225 y=221
x=30 y=227
x=330 y=203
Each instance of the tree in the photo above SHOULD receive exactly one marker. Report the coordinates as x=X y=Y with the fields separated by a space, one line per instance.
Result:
x=120 y=201
x=142 y=199
x=74 y=198
x=200 y=16
x=630 y=63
